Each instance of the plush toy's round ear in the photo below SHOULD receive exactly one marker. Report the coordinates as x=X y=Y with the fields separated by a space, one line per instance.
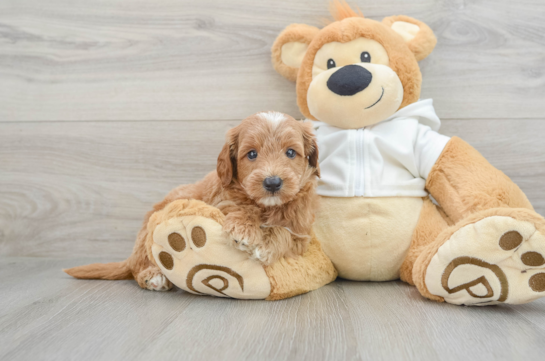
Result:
x=418 y=36
x=290 y=47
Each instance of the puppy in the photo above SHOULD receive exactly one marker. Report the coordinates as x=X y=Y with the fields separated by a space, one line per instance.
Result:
x=264 y=183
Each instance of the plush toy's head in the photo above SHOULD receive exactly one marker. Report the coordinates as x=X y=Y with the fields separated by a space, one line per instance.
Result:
x=355 y=71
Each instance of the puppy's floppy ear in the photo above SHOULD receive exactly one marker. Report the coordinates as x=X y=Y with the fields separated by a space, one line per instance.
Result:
x=418 y=36
x=290 y=47
x=227 y=160
x=311 y=147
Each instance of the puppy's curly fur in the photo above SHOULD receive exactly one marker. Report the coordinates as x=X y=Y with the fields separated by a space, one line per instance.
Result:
x=268 y=225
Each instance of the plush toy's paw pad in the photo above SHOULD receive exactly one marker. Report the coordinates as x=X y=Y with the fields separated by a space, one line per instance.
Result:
x=495 y=260
x=195 y=254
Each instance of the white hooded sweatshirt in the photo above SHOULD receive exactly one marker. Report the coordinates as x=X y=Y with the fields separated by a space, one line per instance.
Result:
x=389 y=159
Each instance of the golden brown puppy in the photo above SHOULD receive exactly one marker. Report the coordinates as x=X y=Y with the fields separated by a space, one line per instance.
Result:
x=265 y=185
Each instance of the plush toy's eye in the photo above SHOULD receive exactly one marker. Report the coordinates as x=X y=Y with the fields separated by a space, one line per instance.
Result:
x=291 y=153
x=252 y=155
x=365 y=57
x=331 y=64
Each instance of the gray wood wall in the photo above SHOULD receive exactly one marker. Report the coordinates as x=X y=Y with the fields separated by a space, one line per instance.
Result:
x=106 y=105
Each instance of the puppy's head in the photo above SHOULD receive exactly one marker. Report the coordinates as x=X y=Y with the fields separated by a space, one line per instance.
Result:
x=271 y=155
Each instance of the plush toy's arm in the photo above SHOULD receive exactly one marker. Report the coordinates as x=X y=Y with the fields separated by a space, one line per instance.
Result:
x=463 y=182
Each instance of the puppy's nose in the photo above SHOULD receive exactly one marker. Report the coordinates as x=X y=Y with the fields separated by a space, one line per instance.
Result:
x=272 y=184
x=349 y=80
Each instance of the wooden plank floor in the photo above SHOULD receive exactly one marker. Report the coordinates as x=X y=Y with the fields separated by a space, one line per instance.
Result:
x=107 y=105
x=46 y=315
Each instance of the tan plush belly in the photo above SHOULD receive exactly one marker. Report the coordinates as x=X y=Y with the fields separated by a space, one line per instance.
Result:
x=367 y=239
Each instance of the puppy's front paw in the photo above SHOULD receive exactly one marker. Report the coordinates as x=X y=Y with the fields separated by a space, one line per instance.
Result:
x=245 y=235
x=265 y=255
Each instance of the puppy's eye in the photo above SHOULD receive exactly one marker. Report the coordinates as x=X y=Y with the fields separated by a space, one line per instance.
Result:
x=331 y=64
x=252 y=155
x=291 y=153
x=365 y=57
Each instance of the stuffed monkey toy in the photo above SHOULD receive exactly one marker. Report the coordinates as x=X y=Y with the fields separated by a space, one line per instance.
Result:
x=478 y=242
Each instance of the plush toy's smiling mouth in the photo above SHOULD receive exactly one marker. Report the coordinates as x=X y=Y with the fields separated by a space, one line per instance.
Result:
x=375 y=103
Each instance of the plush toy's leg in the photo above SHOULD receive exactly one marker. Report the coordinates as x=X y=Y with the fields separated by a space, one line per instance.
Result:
x=430 y=224
x=492 y=256
x=495 y=251
x=463 y=182
x=186 y=241
x=294 y=276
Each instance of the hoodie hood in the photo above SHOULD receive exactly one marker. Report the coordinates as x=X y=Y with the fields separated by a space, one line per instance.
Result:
x=422 y=110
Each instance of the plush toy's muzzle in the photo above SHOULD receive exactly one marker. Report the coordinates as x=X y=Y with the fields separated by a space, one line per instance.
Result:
x=355 y=95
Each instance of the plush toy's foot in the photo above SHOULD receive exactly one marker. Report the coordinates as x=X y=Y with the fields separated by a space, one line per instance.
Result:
x=489 y=259
x=195 y=254
x=186 y=241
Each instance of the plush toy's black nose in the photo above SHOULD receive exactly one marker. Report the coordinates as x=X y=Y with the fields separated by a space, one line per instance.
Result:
x=349 y=80
x=272 y=184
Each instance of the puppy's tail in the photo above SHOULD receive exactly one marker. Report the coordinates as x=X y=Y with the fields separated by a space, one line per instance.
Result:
x=102 y=271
